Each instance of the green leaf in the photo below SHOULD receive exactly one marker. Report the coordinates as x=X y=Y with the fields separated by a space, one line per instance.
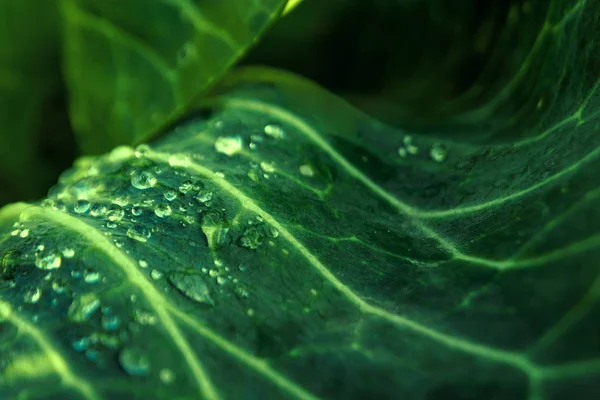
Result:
x=466 y=71
x=29 y=83
x=274 y=244
x=132 y=66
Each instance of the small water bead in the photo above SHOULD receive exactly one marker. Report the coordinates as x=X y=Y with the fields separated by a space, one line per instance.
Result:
x=221 y=280
x=59 y=286
x=213 y=273
x=32 y=296
x=68 y=252
x=91 y=276
x=186 y=186
x=192 y=286
x=139 y=233
x=267 y=167
x=48 y=262
x=136 y=211
x=142 y=180
x=24 y=233
x=275 y=131
x=204 y=196
x=142 y=150
x=274 y=232
x=115 y=213
x=229 y=145
x=170 y=195
x=307 y=170
x=402 y=152
x=163 y=210
x=83 y=307
x=110 y=322
x=81 y=206
x=134 y=361
x=98 y=210
x=143 y=264
x=81 y=344
x=156 y=274
x=438 y=152
x=167 y=376
x=15 y=232
x=121 y=201
x=111 y=225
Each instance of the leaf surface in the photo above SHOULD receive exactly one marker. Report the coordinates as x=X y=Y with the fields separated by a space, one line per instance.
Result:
x=133 y=66
x=275 y=244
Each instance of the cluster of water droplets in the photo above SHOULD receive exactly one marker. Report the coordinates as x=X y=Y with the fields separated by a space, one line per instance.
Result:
x=437 y=152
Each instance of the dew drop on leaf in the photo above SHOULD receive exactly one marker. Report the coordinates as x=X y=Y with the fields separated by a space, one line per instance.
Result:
x=136 y=211
x=170 y=195
x=156 y=274
x=110 y=322
x=98 y=210
x=252 y=238
x=139 y=233
x=68 y=252
x=81 y=206
x=229 y=145
x=437 y=153
x=83 y=307
x=162 y=210
x=115 y=213
x=275 y=131
x=32 y=296
x=166 y=376
x=91 y=276
x=143 y=264
x=267 y=167
x=204 y=196
x=50 y=261
x=142 y=180
x=192 y=286
x=307 y=170
x=24 y=233
x=134 y=361
x=186 y=186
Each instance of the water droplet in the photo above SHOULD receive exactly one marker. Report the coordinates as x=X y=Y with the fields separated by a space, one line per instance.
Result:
x=91 y=276
x=438 y=152
x=307 y=170
x=170 y=195
x=142 y=180
x=204 y=196
x=50 y=261
x=250 y=312
x=121 y=201
x=162 y=210
x=412 y=149
x=274 y=232
x=24 y=233
x=156 y=274
x=252 y=174
x=139 y=233
x=134 y=361
x=221 y=280
x=81 y=206
x=252 y=238
x=98 y=210
x=267 y=167
x=213 y=273
x=275 y=131
x=111 y=224
x=59 y=286
x=192 y=286
x=115 y=213
x=137 y=211
x=142 y=150
x=32 y=296
x=186 y=186
x=143 y=264
x=167 y=376
x=228 y=145
x=15 y=232
x=83 y=307
x=81 y=344
x=68 y=252
x=110 y=322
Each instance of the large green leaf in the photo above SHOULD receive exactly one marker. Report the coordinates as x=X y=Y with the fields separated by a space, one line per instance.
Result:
x=276 y=245
x=465 y=69
x=133 y=65
x=29 y=83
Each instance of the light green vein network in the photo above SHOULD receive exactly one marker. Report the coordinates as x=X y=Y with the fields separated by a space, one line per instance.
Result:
x=68 y=377
x=164 y=308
